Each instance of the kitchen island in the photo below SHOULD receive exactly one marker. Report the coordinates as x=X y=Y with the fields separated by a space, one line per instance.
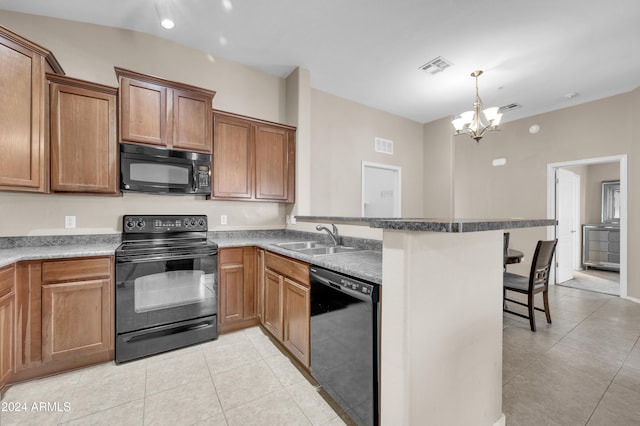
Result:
x=441 y=331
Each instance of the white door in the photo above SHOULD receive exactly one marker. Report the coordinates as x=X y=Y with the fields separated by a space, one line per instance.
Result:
x=567 y=206
x=380 y=190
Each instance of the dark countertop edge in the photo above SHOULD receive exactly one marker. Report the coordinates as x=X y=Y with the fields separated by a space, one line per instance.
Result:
x=434 y=225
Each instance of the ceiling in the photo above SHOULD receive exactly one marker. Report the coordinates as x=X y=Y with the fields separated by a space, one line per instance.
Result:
x=534 y=53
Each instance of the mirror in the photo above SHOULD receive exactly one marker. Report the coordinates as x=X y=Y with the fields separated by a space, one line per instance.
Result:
x=611 y=201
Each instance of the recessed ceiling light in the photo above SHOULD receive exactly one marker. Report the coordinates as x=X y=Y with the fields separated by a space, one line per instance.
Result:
x=571 y=95
x=167 y=23
x=222 y=40
x=227 y=4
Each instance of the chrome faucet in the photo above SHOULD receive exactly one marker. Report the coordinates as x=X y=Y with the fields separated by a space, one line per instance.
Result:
x=334 y=235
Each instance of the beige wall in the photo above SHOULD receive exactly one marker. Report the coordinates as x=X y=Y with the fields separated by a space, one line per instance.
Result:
x=90 y=52
x=336 y=133
x=518 y=189
x=342 y=136
x=438 y=167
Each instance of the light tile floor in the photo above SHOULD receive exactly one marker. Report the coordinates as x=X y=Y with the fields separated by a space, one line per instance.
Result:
x=583 y=369
x=240 y=379
x=595 y=280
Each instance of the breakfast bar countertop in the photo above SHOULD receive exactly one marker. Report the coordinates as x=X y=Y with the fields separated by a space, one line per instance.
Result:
x=433 y=224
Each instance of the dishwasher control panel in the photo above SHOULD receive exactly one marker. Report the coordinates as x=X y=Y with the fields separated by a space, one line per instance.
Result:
x=356 y=286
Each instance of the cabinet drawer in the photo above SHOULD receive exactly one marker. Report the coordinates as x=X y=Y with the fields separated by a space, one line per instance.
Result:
x=293 y=269
x=6 y=280
x=230 y=256
x=597 y=235
x=76 y=269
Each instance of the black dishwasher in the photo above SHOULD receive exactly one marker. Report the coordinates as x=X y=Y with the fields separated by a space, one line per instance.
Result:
x=345 y=354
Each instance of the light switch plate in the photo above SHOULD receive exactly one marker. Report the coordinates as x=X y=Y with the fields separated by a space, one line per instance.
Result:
x=223 y=219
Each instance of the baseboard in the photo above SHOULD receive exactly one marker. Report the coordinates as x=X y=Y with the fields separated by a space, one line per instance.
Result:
x=632 y=299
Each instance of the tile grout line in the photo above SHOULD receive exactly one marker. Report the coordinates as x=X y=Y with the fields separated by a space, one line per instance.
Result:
x=612 y=380
x=215 y=389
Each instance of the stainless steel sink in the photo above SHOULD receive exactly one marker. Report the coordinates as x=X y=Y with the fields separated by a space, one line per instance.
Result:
x=314 y=248
x=300 y=245
x=328 y=250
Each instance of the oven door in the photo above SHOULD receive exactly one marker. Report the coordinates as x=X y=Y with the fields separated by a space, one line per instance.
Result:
x=158 y=292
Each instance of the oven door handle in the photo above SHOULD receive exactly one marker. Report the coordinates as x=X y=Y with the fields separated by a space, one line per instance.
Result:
x=137 y=259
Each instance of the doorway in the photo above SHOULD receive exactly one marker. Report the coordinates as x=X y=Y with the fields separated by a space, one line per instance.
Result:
x=380 y=190
x=560 y=206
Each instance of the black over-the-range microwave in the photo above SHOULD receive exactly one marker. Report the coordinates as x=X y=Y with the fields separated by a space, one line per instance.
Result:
x=164 y=171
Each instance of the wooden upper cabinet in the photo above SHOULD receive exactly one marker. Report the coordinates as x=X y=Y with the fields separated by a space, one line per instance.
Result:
x=191 y=121
x=155 y=111
x=252 y=159
x=143 y=108
x=232 y=158
x=273 y=154
x=84 y=148
x=23 y=139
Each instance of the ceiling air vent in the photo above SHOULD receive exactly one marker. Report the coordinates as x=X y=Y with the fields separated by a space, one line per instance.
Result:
x=384 y=145
x=436 y=65
x=507 y=108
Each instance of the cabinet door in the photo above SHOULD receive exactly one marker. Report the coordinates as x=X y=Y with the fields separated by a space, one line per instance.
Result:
x=28 y=299
x=260 y=270
x=191 y=121
x=272 y=163
x=273 y=284
x=143 y=112
x=231 y=285
x=22 y=118
x=296 y=320
x=232 y=158
x=7 y=351
x=76 y=319
x=7 y=324
x=83 y=140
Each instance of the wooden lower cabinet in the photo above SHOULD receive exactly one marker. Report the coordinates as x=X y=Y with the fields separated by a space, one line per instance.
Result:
x=7 y=325
x=273 y=313
x=287 y=304
x=296 y=320
x=237 y=288
x=64 y=315
x=76 y=319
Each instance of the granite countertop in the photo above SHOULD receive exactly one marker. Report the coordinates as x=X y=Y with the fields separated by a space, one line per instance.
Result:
x=17 y=254
x=433 y=224
x=365 y=264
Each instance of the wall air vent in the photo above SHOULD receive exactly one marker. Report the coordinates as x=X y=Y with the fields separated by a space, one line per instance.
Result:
x=436 y=65
x=384 y=145
x=510 y=107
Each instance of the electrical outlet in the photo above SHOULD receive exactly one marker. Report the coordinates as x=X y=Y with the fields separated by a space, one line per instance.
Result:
x=292 y=221
x=223 y=219
x=69 y=221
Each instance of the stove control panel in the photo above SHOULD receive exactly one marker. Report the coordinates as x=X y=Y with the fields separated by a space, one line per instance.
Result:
x=164 y=223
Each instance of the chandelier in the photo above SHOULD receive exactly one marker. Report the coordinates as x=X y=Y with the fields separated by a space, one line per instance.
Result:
x=472 y=123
